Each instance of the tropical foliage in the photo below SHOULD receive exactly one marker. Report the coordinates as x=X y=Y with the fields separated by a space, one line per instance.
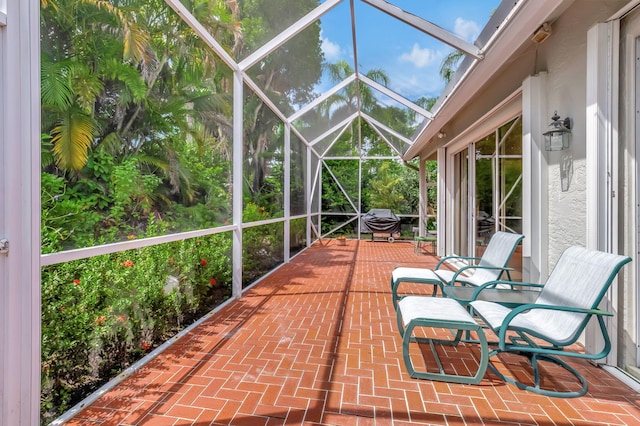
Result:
x=137 y=116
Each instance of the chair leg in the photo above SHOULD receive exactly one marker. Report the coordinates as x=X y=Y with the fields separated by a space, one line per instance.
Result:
x=533 y=360
x=441 y=375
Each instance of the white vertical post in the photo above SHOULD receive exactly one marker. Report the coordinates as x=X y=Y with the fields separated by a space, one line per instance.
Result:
x=287 y=192
x=602 y=163
x=471 y=200
x=308 y=193
x=497 y=182
x=535 y=181
x=423 y=197
x=238 y=164
x=443 y=202
x=20 y=213
x=359 y=209
x=318 y=193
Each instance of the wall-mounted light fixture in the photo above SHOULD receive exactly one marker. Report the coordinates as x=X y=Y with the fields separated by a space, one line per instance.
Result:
x=441 y=135
x=542 y=33
x=557 y=137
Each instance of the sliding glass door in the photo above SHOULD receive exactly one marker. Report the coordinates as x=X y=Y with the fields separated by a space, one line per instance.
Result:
x=487 y=190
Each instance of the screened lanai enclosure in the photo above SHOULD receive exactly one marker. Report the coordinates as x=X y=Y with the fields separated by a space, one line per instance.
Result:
x=190 y=147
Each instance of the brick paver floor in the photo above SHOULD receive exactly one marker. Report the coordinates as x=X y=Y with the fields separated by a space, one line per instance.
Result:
x=316 y=343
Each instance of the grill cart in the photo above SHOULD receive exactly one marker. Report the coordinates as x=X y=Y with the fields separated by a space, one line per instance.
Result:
x=380 y=221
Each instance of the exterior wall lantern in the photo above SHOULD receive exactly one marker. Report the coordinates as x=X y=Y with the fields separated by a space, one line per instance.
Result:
x=558 y=135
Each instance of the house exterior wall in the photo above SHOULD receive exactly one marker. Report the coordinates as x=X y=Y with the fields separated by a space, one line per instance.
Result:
x=565 y=57
x=562 y=59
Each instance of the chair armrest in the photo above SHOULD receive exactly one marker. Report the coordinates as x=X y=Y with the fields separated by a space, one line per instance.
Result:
x=465 y=268
x=446 y=258
x=504 y=327
x=493 y=284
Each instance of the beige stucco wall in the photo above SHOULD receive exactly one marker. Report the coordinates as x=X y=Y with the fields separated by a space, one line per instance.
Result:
x=564 y=55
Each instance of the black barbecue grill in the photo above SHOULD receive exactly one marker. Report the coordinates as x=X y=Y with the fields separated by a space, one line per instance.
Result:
x=380 y=221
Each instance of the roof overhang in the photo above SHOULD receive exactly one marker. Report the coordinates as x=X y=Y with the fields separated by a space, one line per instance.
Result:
x=517 y=28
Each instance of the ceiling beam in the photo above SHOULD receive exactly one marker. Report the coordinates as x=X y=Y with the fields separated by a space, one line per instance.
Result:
x=427 y=27
x=202 y=32
x=326 y=95
x=393 y=95
x=288 y=34
x=372 y=121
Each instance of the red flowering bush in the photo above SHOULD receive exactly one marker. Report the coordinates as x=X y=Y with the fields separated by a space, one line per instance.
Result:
x=112 y=316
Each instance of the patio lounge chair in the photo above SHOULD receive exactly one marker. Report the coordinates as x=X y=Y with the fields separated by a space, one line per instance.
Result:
x=541 y=331
x=490 y=267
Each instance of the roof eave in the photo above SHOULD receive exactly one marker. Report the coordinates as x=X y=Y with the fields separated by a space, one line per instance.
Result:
x=516 y=31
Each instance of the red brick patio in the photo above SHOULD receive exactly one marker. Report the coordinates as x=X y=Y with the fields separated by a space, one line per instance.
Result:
x=316 y=343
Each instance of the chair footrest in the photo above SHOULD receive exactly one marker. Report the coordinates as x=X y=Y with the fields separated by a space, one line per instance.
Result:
x=435 y=312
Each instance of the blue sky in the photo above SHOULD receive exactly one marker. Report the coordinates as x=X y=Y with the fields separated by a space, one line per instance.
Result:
x=411 y=59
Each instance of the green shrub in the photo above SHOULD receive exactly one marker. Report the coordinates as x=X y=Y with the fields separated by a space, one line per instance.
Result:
x=101 y=314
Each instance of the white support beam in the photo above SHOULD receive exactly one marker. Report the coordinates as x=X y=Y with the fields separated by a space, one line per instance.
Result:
x=384 y=138
x=340 y=186
x=378 y=124
x=443 y=240
x=535 y=182
x=308 y=192
x=238 y=164
x=287 y=192
x=393 y=95
x=300 y=135
x=202 y=32
x=602 y=194
x=263 y=97
x=333 y=142
x=427 y=27
x=289 y=33
x=343 y=123
x=87 y=252
x=20 y=213
x=326 y=95
x=423 y=197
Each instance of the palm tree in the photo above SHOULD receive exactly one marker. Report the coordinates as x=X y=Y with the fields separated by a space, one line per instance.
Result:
x=354 y=95
x=450 y=64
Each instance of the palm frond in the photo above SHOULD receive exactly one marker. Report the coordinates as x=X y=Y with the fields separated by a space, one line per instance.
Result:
x=135 y=40
x=450 y=64
x=46 y=147
x=135 y=43
x=86 y=86
x=127 y=74
x=55 y=85
x=71 y=140
x=379 y=76
x=152 y=162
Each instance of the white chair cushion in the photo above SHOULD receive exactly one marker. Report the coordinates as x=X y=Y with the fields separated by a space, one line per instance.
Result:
x=414 y=275
x=433 y=308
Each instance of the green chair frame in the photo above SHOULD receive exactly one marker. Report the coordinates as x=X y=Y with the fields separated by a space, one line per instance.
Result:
x=490 y=267
x=434 y=312
x=542 y=331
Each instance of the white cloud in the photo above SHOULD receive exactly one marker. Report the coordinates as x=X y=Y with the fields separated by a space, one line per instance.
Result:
x=414 y=86
x=419 y=57
x=468 y=30
x=332 y=51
